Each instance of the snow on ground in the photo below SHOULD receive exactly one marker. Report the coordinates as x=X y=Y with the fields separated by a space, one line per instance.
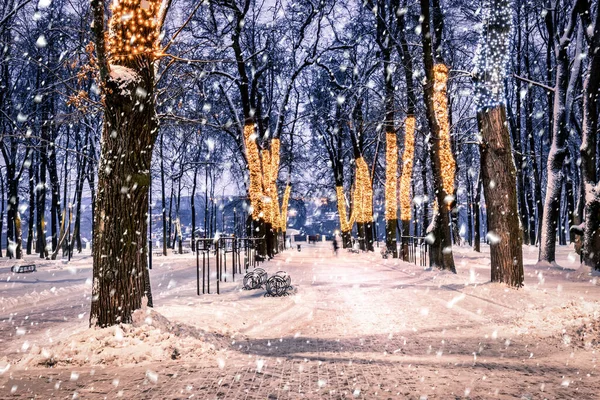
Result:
x=357 y=326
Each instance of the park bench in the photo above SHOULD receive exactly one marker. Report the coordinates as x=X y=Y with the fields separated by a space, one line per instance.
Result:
x=23 y=268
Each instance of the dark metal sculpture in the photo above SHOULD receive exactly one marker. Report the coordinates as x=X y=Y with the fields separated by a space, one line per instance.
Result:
x=255 y=279
x=279 y=284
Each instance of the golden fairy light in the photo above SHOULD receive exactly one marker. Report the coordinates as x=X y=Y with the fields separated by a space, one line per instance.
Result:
x=363 y=193
x=391 y=180
x=440 y=105
x=284 y=207
x=254 y=167
x=133 y=29
x=345 y=223
x=267 y=199
x=273 y=172
x=407 y=160
x=270 y=168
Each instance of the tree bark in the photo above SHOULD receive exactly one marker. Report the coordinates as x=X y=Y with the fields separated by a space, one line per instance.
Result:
x=589 y=143
x=477 y=219
x=440 y=241
x=31 y=220
x=499 y=186
x=558 y=151
x=121 y=280
x=163 y=195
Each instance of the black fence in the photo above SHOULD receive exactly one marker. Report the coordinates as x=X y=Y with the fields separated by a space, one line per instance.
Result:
x=417 y=249
x=227 y=253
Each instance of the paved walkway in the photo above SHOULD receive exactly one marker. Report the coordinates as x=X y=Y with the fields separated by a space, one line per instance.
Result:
x=357 y=327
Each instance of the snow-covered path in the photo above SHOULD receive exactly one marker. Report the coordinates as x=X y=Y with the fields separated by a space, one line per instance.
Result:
x=358 y=326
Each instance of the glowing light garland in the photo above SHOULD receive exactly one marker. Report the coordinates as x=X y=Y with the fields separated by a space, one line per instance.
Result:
x=267 y=199
x=270 y=168
x=363 y=194
x=492 y=54
x=284 y=208
x=345 y=223
x=391 y=179
x=440 y=105
x=407 y=159
x=274 y=171
x=254 y=167
x=133 y=29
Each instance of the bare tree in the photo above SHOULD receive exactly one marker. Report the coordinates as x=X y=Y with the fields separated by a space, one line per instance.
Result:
x=497 y=165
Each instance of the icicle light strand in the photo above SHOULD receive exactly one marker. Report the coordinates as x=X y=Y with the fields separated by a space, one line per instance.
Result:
x=492 y=54
x=407 y=160
x=440 y=104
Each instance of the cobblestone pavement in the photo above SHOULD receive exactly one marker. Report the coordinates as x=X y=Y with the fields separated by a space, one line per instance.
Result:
x=360 y=328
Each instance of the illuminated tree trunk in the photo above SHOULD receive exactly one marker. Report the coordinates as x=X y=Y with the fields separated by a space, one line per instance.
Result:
x=499 y=187
x=439 y=237
x=270 y=171
x=405 y=182
x=255 y=189
x=345 y=222
x=408 y=155
x=391 y=139
x=120 y=275
x=363 y=205
x=498 y=170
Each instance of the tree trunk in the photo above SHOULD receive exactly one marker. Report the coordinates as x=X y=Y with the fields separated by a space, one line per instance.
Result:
x=193 y=207
x=477 y=214
x=470 y=210
x=2 y=202
x=31 y=218
x=55 y=209
x=121 y=278
x=499 y=186
x=90 y=176
x=558 y=151
x=163 y=196
x=439 y=238
x=589 y=151
x=170 y=217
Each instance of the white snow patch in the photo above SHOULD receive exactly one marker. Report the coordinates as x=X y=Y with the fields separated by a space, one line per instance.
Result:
x=134 y=343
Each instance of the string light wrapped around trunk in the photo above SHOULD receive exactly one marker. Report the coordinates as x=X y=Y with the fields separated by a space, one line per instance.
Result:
x=284 y=208
x=391 y=179
x=133 y=29
x=492 y=54
x=363 y=193
x=345 y=223
x=267 y=198
x=407 y=160
x=440 y=104
x=254 y=167
x=274 y=171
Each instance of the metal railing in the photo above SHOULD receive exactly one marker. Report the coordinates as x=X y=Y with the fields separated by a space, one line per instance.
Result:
x=226 y=251
x=417 y=249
